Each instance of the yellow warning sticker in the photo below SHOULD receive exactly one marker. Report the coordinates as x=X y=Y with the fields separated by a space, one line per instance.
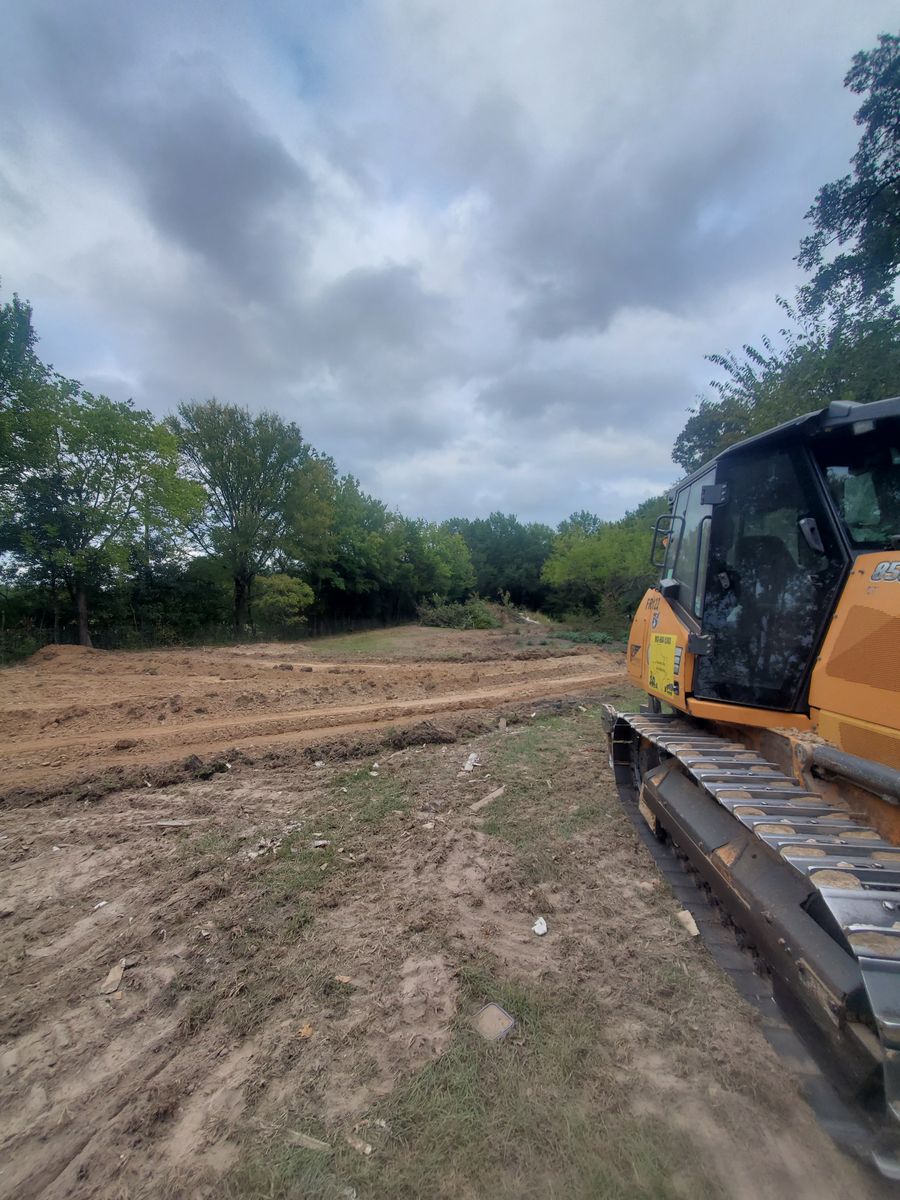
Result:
x=661 y=675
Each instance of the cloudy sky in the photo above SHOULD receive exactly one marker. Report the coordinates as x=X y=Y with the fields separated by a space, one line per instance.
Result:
x=477 y=250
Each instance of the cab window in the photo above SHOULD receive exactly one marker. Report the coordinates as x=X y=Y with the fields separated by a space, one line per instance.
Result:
x=688 y=545
x=862 y=471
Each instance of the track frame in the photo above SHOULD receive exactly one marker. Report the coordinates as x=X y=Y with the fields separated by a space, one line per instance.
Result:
x=762 y=920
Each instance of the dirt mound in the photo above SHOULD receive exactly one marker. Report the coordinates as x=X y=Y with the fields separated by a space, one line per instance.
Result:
x=72 y=715
x=60 y=656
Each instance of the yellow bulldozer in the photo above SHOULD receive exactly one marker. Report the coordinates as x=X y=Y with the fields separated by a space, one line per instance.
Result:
x=767 y=755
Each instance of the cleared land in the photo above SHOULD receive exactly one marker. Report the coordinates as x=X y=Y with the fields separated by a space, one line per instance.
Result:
x=71 y=715
x=233 y=985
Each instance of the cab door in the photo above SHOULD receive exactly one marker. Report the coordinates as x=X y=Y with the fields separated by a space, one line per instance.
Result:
x=775 y=564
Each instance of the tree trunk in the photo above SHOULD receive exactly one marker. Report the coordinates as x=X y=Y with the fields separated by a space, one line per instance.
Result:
x=54 y=596
x=84 y=633
x=241 y=603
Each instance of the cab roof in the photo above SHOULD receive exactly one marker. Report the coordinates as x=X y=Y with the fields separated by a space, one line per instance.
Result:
x=839 y=414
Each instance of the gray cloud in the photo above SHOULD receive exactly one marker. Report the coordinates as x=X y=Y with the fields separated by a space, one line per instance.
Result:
x=581 y=399
x=171 y=129
x=218 y=184
x=381 y=311
x=477 y=252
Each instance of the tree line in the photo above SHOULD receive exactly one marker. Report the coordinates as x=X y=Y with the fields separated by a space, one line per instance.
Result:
x=218 y=520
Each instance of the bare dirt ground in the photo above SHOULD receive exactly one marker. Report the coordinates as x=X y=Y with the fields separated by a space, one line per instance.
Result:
x=261 y=983
x=70 y=715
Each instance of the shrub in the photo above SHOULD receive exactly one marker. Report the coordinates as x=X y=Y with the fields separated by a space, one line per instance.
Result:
x=473 y=614
x=594 y=638
x=281 y=599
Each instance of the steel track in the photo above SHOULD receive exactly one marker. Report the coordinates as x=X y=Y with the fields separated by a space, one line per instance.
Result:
x=786 y=1027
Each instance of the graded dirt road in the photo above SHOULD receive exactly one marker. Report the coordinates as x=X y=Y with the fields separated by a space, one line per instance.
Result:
x=260 y=985
x=70 y=715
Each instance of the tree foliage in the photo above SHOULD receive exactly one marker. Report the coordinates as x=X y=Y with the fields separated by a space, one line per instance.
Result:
x=817 y=360
x=860 y=213
x=282 y=600
x=25 y=424
x=507 y=556
x=251 y=469
x=78 y=500
x=603 y=567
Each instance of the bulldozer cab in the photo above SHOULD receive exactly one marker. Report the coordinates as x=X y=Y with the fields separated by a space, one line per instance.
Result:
x=759 y=543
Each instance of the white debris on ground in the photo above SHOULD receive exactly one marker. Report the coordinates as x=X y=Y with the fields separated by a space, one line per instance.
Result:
x=686 y=921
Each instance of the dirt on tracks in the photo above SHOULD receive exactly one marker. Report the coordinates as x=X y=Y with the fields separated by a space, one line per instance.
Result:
x=72 y=718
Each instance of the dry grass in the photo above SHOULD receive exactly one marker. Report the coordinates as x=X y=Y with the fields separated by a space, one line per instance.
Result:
x=544 y=1113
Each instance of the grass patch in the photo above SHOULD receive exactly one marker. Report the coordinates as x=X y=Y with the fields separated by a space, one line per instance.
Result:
x=548 y=799
x=371 y=798
x=544 y=1113
x=290 y=875
x=528 y=814
x=288 y=880
x=377 y=641
x=213 y=843
x=584 y=637
x=200 y=1008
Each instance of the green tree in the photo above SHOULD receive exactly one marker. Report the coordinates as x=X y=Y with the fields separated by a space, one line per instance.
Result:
x=454 y=574
x=580 y=522
x=861 y=211
x=282 y=600
x=25 y=425
x=605 y=571
x=310 y=515
x=428 y=560
x=356 y=559
x=507 y=555
x=251 y=470
x=75 y=511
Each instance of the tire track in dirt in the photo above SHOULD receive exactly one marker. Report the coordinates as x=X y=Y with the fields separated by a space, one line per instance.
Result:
x=153 y=745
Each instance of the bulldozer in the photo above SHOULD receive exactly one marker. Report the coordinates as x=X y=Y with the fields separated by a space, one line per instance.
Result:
x=766 y=756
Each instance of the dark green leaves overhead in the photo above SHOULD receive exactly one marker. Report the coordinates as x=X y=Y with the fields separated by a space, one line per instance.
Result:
x=858 y=216
x=842 y=341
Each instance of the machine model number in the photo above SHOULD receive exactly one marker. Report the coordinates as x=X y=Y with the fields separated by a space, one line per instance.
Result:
x=886 y=572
